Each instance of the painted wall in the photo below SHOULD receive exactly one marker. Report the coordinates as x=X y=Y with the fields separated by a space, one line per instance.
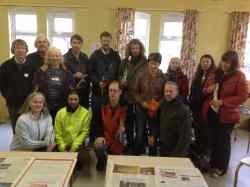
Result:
x=93 y=17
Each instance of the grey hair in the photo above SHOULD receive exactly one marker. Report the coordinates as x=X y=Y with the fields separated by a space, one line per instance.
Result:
x=173 y=84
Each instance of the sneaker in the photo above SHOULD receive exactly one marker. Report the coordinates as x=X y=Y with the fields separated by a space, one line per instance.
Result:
x=216 y=173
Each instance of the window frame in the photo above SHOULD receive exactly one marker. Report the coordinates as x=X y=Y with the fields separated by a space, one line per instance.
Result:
x=146 y=16
x=51 y=15
x=12 y=22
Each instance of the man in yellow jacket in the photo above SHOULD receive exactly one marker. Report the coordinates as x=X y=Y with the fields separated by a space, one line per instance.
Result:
x=72 y=126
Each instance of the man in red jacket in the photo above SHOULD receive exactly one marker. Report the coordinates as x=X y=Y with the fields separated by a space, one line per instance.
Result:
x=108 y=126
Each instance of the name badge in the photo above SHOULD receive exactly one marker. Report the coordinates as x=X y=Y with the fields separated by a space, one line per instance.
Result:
x=26 y=75
x=55 y=79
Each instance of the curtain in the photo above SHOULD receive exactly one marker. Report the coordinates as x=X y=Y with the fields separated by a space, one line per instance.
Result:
x=239 y=27
x=125 y=28
x=189 y=43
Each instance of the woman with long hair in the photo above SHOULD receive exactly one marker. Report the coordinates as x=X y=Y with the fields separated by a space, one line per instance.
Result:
x=34 y=129
x=223 y=111
x=54 y=81
x=175 y=74
x=201 y=91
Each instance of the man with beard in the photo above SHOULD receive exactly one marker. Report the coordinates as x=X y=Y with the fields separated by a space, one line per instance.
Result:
x=72 y=125
x=104 y=65
x=134 y=63
x=37 y=58
x=175 y=124
x=77 y=63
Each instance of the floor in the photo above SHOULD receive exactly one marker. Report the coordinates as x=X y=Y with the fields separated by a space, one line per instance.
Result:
x=94 y=179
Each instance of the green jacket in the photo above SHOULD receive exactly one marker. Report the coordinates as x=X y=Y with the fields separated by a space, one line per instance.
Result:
x=71 y=129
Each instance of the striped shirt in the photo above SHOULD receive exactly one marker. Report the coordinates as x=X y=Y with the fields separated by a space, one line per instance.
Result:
x=33 y=134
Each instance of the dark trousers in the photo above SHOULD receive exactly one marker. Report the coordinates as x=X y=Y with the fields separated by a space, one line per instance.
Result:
x=220 y=141
x=101 y=154
x=14 y=114
x=141 y=138
x=130 y=121
x=202 y=136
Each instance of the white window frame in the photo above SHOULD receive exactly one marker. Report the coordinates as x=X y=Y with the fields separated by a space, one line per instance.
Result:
x=170 y=17
x=12 y=23
x=51 y=27
x=247 y=63
x=146 y=16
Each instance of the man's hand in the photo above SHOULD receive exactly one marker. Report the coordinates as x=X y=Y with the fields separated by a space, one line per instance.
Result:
x=44 y=67
x=151 y=140
x=216 y=103
x=78 y=75
x=100 y=141
x=51 y=147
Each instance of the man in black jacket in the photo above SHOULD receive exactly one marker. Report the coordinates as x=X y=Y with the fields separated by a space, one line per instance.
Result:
x=37 y=58
x=77 y=63
x=175 y=124
x=104 y=65
x=16 y=75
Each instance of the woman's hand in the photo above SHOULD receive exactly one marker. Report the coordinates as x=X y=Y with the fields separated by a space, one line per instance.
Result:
x=216 y=103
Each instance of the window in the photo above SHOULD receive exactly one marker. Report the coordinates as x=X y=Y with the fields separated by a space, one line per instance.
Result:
x=170 y=38
x=246 y=68
x=141 y=28
x=60 y=29
x=23 y=25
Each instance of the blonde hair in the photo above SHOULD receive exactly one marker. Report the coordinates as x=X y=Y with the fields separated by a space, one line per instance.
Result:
x=26 y=106
x=56 y=50
x=175 y=59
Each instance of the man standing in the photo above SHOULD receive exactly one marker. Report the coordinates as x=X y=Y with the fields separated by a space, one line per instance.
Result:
x=104 y=65
x=175 y=124
x=16 y=75
x=37 y=58
x=77 y=63
x=134 y=63
x=148 y=94
x=108 y=126
x=72 y=128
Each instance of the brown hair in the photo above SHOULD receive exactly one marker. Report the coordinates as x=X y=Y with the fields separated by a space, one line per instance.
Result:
x=105 y=34
x=134 y=42
x=18 y=42
x=231 y=57
x=76 y=37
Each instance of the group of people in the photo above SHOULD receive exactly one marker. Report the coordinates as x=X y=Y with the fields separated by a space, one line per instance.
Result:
x=58 y=102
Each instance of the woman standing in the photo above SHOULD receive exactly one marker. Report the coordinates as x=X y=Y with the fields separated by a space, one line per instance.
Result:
x=34 y=129
x=224 y=112
x=201 y=92
x=175 y=74
x=54 y=81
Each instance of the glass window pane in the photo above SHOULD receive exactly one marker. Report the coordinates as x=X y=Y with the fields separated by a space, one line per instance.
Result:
x=169 y=49
x=29 y=40
x=140 y=27
x=63 y=25
x=172 y=29
x=62 y=43
x=26 y=23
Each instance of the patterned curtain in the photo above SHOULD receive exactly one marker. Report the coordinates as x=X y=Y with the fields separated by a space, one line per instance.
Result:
x=189 y=43
x=239 y=33
x=125 y=28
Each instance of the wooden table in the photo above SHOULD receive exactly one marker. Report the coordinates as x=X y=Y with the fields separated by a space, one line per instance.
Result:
x=145 y=161
x=47 y=156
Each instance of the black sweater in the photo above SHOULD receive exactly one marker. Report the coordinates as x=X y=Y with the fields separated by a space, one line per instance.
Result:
x=175 y=128
x=16 y=82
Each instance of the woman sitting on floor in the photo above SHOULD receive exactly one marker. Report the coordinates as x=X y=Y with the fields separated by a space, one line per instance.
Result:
x=34 y=129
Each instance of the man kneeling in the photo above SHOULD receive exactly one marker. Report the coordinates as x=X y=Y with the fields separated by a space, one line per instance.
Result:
x=72 y=128
x=175 y=124
x=108 y=126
